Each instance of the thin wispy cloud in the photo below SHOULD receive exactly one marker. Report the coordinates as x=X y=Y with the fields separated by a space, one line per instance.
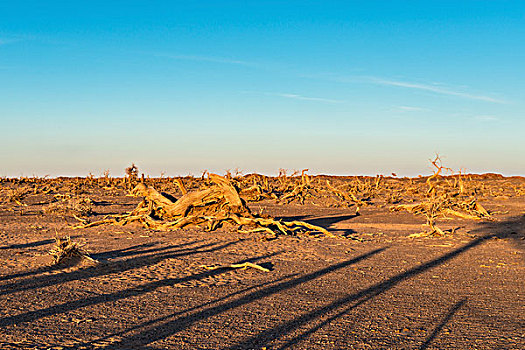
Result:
x=487 y=118
x=436 y=88
x=307 y=98
x=210 y=59
x=295 y=96
x=411 y=109
x=432 y=88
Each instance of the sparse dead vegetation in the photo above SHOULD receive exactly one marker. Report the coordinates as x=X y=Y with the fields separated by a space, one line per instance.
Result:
x=78 y=206
x=443 y=199
x=163 y=260
x=68 y=252
x=212 y=201
x=215 y=205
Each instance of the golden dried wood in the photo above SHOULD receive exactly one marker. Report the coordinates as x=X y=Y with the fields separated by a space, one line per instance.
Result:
x=214 y=206
x=242 y=266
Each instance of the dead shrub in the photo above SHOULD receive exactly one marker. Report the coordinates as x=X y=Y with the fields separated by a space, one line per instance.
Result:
x=82 y=206
x=68 y=252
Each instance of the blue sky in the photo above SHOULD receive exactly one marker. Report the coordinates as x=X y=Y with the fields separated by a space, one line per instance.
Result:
x=339 y=87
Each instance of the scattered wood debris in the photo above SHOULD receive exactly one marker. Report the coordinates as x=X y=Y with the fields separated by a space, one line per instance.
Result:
x=440 y=201
x=79 y=206
x=242 y=266
x=214 y=206
x=66 y=251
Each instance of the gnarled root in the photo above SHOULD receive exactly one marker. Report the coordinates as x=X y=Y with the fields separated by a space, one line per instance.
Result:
x=214 y=206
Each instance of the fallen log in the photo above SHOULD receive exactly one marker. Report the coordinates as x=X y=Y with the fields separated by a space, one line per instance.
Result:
x=214 y=206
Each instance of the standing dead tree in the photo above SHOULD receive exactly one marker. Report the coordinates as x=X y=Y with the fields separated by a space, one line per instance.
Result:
x=132 y=174
x=440 y=201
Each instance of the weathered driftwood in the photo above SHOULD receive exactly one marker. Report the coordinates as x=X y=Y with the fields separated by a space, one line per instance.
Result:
x=443 y=206
x=213 y=206
x=259 y=189
x=476 y=213
x=242 y=266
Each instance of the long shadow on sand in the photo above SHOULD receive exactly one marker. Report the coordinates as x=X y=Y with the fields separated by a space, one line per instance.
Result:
x=344 y=305
x=28 y=245
x=512 y=228
x=166 y=329
x=300 y=327
x=442 y=324
x=179 y=313
x=31 y=316
x=112 y=254
x=325 y=221
x=112 y=267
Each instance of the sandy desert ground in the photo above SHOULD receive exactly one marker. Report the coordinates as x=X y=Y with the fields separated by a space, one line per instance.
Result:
x=368 y=287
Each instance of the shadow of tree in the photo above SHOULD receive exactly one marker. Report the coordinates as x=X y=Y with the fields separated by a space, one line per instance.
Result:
x=111 y=267
x=325 y=221
x=32 y=316
x=451 y=312
x=161 y=319
x=28 y=245
x=99 y=256
x=511 y=228
x=174 y=326
x=356 y=299
x=166 y=326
